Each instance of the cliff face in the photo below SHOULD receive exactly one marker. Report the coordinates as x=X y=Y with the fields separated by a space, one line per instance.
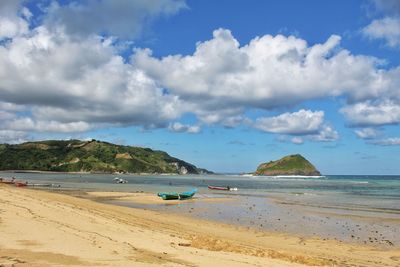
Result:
x=90 y=156
x=289 y=165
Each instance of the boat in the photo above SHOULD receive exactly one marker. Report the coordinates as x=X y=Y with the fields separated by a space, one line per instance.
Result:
x=226 y=188
x=168 y=195
x=188 y=194
x=176 y=195
x=21 y=184
x=120 y=180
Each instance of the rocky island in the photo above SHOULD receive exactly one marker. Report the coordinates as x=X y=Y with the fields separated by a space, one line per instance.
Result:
x=289 y=165
x=90 y=156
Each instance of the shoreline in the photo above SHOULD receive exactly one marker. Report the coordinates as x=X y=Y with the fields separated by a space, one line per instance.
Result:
x=105 y=173
x=42 y=228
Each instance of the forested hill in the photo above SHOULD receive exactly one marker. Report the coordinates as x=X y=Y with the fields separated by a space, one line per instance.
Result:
x=90 y=156
x=289 y=165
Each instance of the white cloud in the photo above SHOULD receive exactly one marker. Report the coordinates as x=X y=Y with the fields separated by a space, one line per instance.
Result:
x=11 y=24
x=308 y=124
x=268 y=72
x=125 y=19
x=367 y=133
x=302 y=122
x=67 y=78
x=184 y=128
x=12 y=137
x=395 y=141
x=71 y=81
x=28 y=124
x=68 y=84
x=387 y=28
x=5 y=115
x=387 y=6
x=373 y=113
x=326 y=134
x=297 y=140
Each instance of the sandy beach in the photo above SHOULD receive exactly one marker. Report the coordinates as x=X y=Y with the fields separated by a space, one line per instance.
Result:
x=40 y=228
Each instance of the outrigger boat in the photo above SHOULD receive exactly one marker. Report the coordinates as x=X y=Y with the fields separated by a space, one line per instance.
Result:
x=226 y=188
x=175 y=195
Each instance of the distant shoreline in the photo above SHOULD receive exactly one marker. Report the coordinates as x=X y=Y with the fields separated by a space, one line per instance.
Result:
x=113 y=173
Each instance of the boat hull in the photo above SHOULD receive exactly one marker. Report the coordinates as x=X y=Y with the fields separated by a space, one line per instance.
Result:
x=218 y=188
x=180 y=196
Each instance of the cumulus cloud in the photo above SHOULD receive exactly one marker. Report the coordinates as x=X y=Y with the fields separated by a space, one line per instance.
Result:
x=395 y=141
x=28 y=124
x=12 y=137
x=326 y=134
x=303 y=122
x=184 y=128
x=269 y=72
x=367 y=133
x=58 y=77
x=13 y=19
x=66 y=84
x=387 y=29
x=373 y=113
x=120 y=18
x=297 y=140
x=70 y=81
x=387 y=26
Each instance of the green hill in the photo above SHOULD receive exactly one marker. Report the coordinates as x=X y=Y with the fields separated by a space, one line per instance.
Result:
x=90 y=156
x=289 y=165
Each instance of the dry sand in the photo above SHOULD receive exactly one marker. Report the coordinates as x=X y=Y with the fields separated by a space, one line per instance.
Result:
x=40 y=228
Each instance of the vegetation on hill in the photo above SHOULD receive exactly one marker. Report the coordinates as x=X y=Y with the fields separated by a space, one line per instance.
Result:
x=90 y=156
x=289 y=165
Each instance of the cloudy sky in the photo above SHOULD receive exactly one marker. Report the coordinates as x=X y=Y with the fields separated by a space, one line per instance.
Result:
x=222 y=84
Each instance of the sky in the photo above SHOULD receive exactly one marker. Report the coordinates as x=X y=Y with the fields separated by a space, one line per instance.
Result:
x=224 y=85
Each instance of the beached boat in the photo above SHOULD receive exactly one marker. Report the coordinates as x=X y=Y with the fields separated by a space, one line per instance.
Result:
x=226 y=188
x=175 y=195
x=21 y=184
x=168 y=195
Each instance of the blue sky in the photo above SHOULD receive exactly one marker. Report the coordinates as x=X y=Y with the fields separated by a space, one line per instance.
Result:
x=224 y=85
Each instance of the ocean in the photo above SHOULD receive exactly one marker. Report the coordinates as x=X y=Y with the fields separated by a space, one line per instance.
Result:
x=368 y=191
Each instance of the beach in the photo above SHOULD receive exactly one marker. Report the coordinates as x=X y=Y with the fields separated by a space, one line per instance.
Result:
x=40 y=228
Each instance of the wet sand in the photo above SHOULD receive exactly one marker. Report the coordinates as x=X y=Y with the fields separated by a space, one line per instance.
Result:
x=274 y=215
x=41 y=228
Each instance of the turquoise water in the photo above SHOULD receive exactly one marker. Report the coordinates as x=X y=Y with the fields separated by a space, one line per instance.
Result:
x=364 y=192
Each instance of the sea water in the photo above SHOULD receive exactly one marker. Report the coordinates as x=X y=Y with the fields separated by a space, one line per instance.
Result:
x=363 y=191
